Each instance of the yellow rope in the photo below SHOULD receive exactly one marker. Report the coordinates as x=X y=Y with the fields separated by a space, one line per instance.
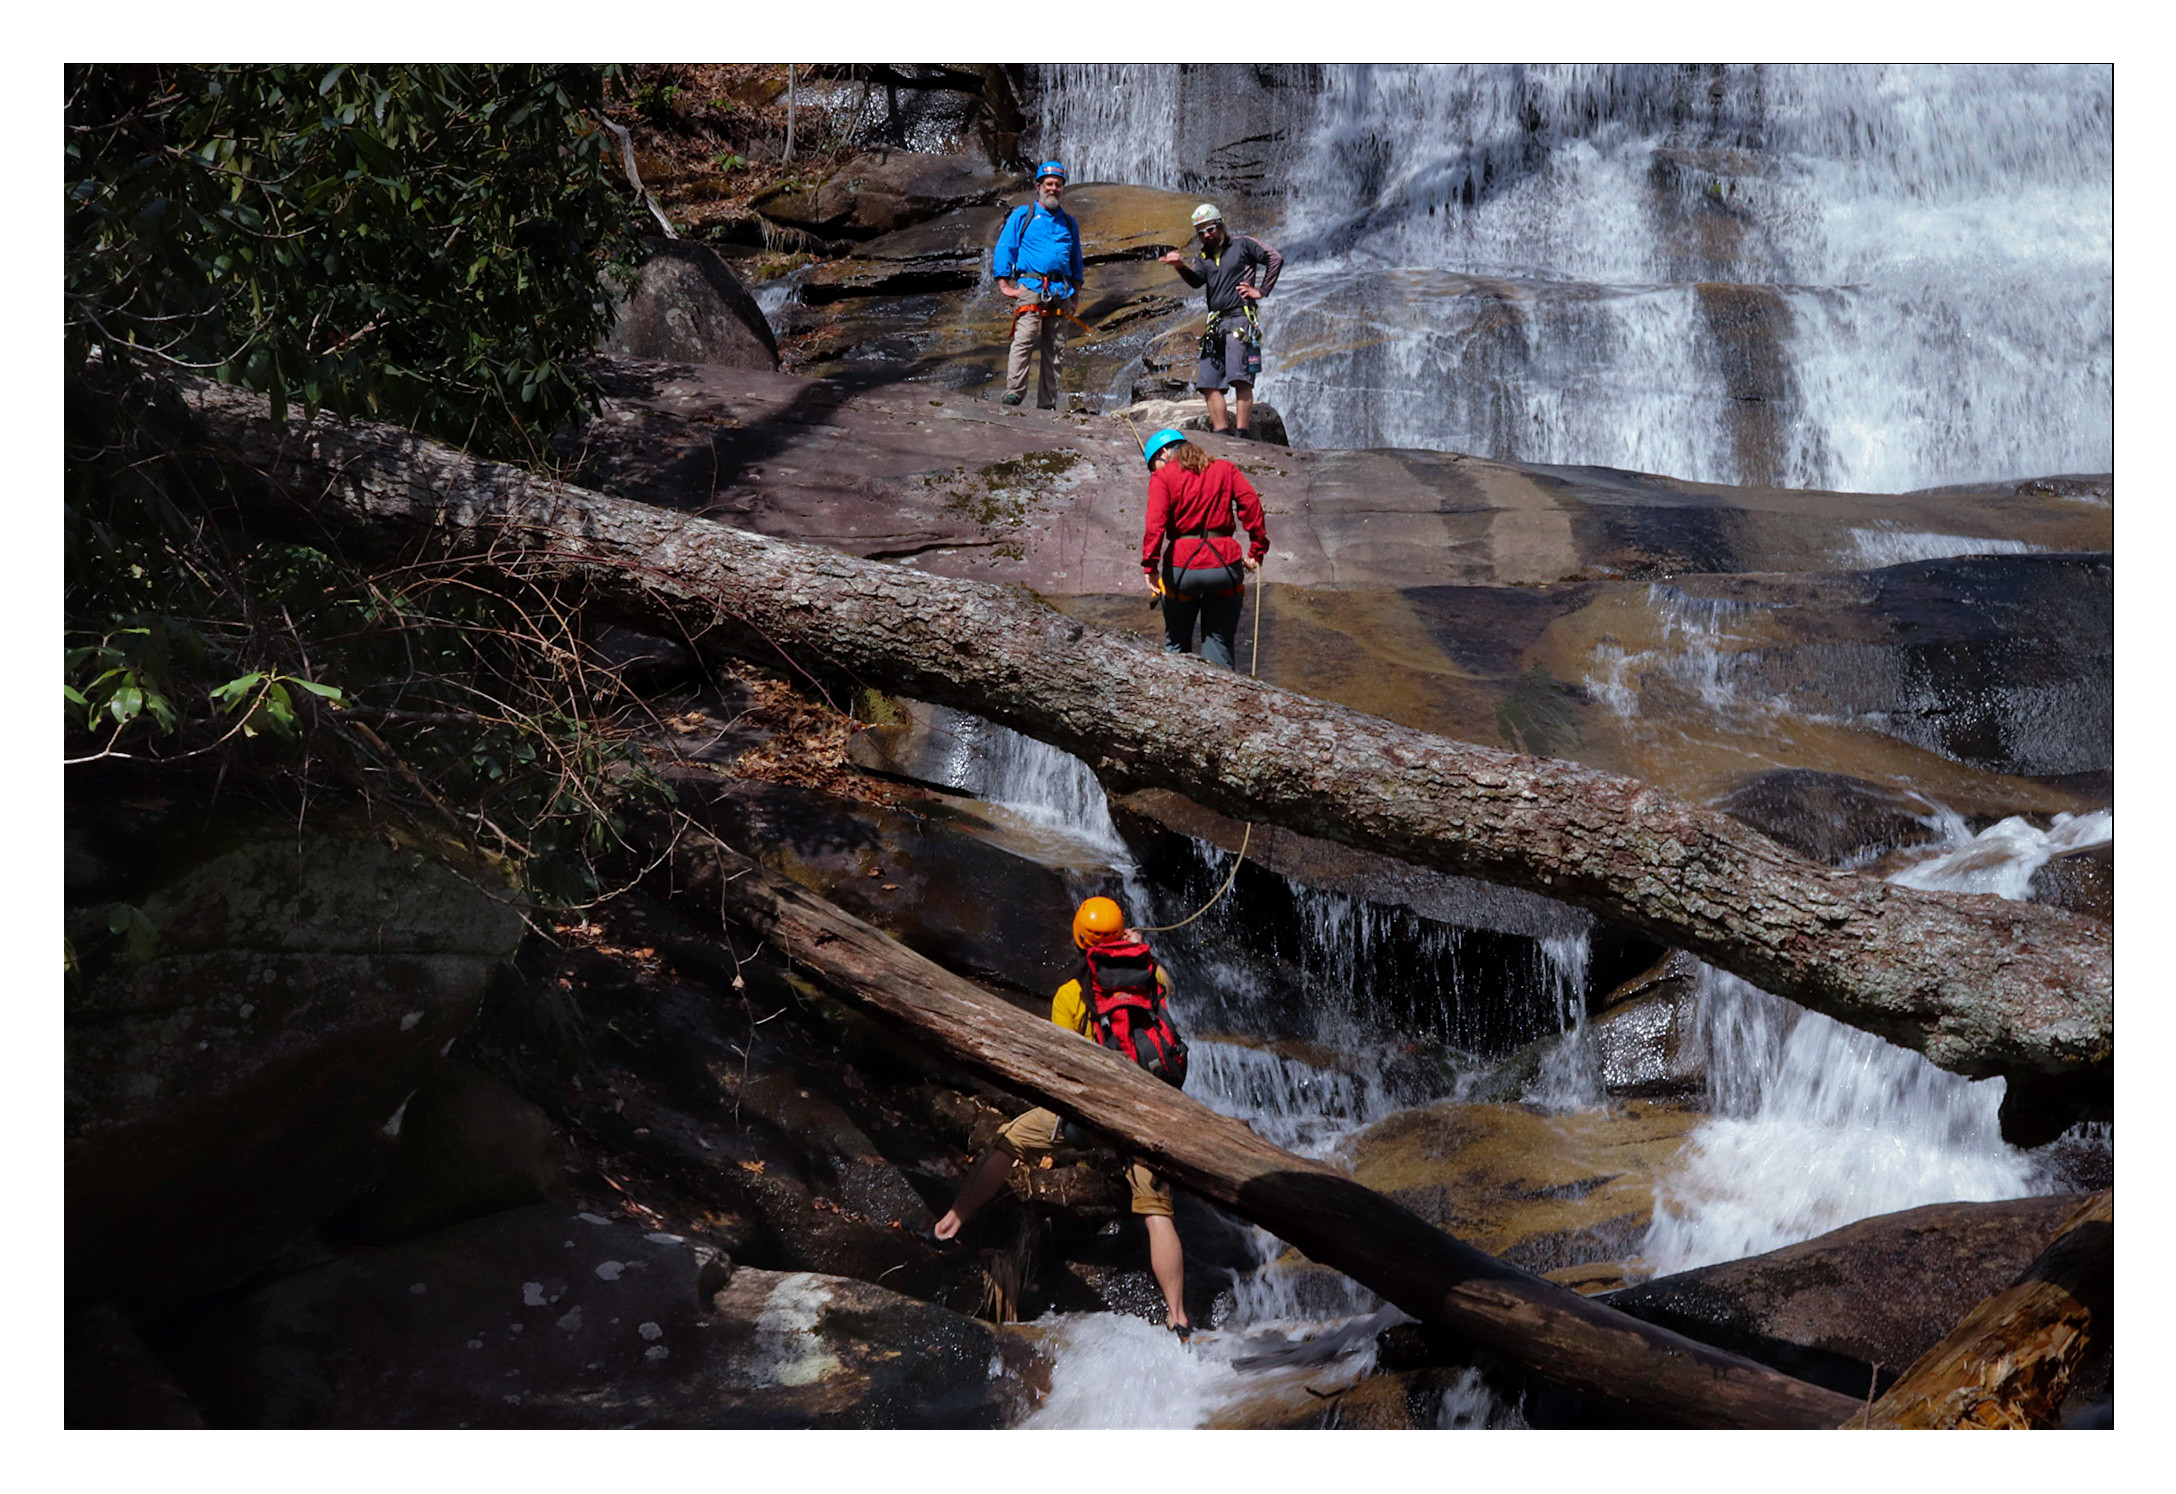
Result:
x=1254 y=661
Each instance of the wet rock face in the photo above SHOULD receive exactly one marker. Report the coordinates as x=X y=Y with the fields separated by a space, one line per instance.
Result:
x=544 y=1317
x=2083 y=883
x=917 y=304
x=114 y=1381
x=249 y=1077
x=687 y=306
x=1879 y=1292
x=1539 y=1191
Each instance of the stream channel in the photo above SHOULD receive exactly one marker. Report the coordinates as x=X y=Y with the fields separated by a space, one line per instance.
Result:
x=1302 y=1008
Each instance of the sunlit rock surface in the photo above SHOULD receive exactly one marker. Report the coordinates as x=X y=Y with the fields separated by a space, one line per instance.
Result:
x=1540 y=1191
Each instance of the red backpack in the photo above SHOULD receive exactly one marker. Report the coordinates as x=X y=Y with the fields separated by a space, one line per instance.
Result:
x=1126 y=1009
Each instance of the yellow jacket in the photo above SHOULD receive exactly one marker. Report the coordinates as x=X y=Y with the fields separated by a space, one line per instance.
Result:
x=1069 y=1008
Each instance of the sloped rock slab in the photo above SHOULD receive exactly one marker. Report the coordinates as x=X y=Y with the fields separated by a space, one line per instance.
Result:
x=547 y=1318
x=878 y=466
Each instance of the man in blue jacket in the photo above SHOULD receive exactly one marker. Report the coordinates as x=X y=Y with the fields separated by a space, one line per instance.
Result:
x=1037 y=264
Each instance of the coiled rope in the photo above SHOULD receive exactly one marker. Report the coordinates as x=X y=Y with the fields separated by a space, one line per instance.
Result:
x=1254 y=660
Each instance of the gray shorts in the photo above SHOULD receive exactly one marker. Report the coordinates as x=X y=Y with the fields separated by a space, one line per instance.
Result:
x=1241 y=363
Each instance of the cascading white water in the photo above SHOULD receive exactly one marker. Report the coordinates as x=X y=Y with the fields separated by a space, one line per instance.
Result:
x=1816 y=1124
x=1110 y=1371
x=1866 y=278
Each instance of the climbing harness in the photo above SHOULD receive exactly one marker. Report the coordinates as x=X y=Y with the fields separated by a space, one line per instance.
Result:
x=1046 y=304
x=1249 y=334
x=1254 y=662
x=1126 y=1007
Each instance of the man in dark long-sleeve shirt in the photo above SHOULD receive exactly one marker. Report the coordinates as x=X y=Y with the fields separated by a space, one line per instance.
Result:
x=1238 y=272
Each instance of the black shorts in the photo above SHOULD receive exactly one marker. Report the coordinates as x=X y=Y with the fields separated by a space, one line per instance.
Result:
x=1236 y=362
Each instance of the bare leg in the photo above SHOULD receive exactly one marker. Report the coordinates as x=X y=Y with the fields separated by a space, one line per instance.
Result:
x=1167 y=1261
x=1243 y=394
x=1216 y=408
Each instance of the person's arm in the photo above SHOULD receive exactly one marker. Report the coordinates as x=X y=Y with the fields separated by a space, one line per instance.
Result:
x=1005 y=259
x=1068 y=1010
x=1152 y=527
x=1248 y=503
x=1185 y=267
x=1271 y=264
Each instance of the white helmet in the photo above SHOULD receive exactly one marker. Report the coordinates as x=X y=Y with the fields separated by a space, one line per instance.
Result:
x=1207 y=214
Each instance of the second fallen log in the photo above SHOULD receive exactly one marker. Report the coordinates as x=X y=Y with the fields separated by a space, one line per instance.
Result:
x=1540 y=1327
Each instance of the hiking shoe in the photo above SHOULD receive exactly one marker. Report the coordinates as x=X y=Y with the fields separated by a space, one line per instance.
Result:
x=1185 y=1331
x=1010 y=399
x=1243 y=433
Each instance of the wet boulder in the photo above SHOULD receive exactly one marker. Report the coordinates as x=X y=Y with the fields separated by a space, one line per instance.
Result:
x=1831 y=817
x=244 y=1072
x=1853 y=1308
x=544 y=1317
x=1648 y=1035
x=687 y=306
x=2083 y=882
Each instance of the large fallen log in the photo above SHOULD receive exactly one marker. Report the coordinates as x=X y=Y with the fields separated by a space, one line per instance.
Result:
x=2012 y=1361
x=1523 y=1320
x=1980 y=985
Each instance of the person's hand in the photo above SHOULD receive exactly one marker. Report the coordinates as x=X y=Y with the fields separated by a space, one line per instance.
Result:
x=1007 y=288
x=1252 y=564
x=1249 y=293
x=1171 y=257
x=1152 y=583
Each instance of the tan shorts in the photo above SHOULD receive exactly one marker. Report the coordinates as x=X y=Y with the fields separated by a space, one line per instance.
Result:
x=1034 y=1135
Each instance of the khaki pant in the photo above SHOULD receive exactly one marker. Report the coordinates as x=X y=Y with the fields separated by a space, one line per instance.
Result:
x=1032 y=331
x=1035 y=1134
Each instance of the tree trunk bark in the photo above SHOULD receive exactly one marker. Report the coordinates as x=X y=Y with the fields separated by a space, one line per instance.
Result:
x=2011 y=1362
x=1980 y=985
x=1537 y=1325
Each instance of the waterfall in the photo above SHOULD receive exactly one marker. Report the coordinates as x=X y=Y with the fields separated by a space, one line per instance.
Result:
x=1305 y=1095
x=1816 y=1124
x=1870 y=278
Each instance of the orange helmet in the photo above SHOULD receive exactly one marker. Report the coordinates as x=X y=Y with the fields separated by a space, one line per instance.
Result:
x=1099 y=919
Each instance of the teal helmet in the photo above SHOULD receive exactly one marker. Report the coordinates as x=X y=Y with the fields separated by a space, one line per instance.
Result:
x=1165 y=437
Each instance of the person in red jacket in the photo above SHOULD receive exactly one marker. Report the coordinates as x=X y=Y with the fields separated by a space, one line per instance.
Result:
x=1189 y=550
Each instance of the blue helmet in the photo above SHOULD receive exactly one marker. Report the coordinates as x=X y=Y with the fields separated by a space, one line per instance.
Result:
x=1165 y=437
x=1051 y=168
